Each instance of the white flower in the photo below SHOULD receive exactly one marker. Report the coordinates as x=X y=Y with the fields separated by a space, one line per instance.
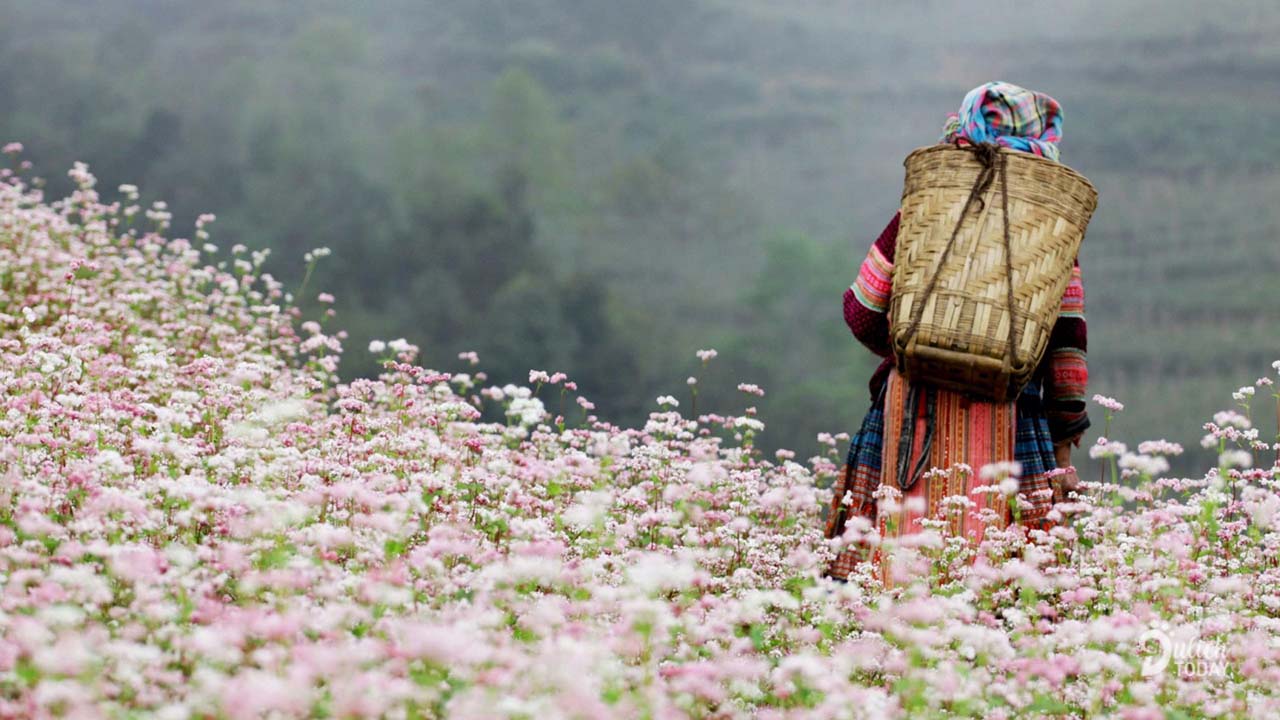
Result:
x=284 y=411
x=668 y=400
x=996 y=470
x=1231 y=418
x=526 y=410
x=377 y=346
x=1143 y=464
x=111 y=462
x=654 y=572
x=1235 y=459
x=1159 y=447
x=1108 y=403
x=1105 y=448
x=589 y=508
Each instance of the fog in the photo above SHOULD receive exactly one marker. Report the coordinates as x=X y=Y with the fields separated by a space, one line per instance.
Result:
x=605 y=187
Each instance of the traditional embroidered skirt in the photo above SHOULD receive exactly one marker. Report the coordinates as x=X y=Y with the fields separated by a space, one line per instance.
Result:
x=919 y=457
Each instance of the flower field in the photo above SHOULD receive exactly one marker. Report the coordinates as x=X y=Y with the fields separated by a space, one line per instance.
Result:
x=199 y=520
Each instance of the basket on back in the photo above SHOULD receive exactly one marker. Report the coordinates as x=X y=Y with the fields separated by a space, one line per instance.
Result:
x=955 y=319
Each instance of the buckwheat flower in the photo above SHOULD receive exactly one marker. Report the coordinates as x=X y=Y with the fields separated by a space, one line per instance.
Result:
x=997 y=470
x=668 y=401
x=539 y=376
x=129 y=191
x=654 y=572
x=1008 y=486
x=325 y=298
x=691 y=381
x=1243 y=393
x=1105 y=448
x=708 y=355
x=527 y=411
x=470 y=357
x=1159 y=447
x=1262 y=506
x=1231 y=418
x=1235 y=459
x=1276 y=365
x=399 y=345
x=284 y=411
x=590 y=507
x=586 y=404
x=152 y=361
x=210 y=248
x=1264 y=382
x=751 y=389
x=1108 y=403
x=12 y=148
x=1143 y=464
x=377 y=346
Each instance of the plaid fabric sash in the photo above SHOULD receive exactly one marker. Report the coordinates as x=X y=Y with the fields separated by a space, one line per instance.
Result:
x=1010 y=116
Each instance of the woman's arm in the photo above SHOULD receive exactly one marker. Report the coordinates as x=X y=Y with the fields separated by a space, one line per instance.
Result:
x=1068 y=376
x=866 y=302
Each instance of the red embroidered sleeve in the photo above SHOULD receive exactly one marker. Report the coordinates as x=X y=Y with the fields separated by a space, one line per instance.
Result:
x=1067 y=375
x=866 y=302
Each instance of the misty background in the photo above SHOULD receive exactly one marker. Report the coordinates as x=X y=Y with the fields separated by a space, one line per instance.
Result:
x=603 y=187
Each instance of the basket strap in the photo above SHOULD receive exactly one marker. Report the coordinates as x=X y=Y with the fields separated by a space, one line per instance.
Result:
x=908 y=473
x=1008 y=266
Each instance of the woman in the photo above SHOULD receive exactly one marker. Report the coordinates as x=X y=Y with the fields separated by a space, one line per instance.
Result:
x=1037 y=430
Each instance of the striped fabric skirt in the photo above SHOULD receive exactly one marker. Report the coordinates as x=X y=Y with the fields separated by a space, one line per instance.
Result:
x=938 y=452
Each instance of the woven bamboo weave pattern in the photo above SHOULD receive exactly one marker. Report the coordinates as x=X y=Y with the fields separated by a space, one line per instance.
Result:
x=962 y=337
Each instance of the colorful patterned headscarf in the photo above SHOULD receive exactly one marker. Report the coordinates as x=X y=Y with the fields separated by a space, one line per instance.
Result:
x=1007 y=115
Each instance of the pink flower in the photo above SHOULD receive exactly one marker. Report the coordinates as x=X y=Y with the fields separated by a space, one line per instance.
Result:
x=1108 y=403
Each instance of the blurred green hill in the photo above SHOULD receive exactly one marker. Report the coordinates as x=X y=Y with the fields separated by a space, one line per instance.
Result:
x=603 y=187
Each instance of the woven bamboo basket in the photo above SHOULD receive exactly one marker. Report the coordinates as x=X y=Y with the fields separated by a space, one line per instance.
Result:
x=955 y=321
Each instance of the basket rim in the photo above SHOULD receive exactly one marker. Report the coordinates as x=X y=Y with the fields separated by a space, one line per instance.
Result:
x=1017 y=154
